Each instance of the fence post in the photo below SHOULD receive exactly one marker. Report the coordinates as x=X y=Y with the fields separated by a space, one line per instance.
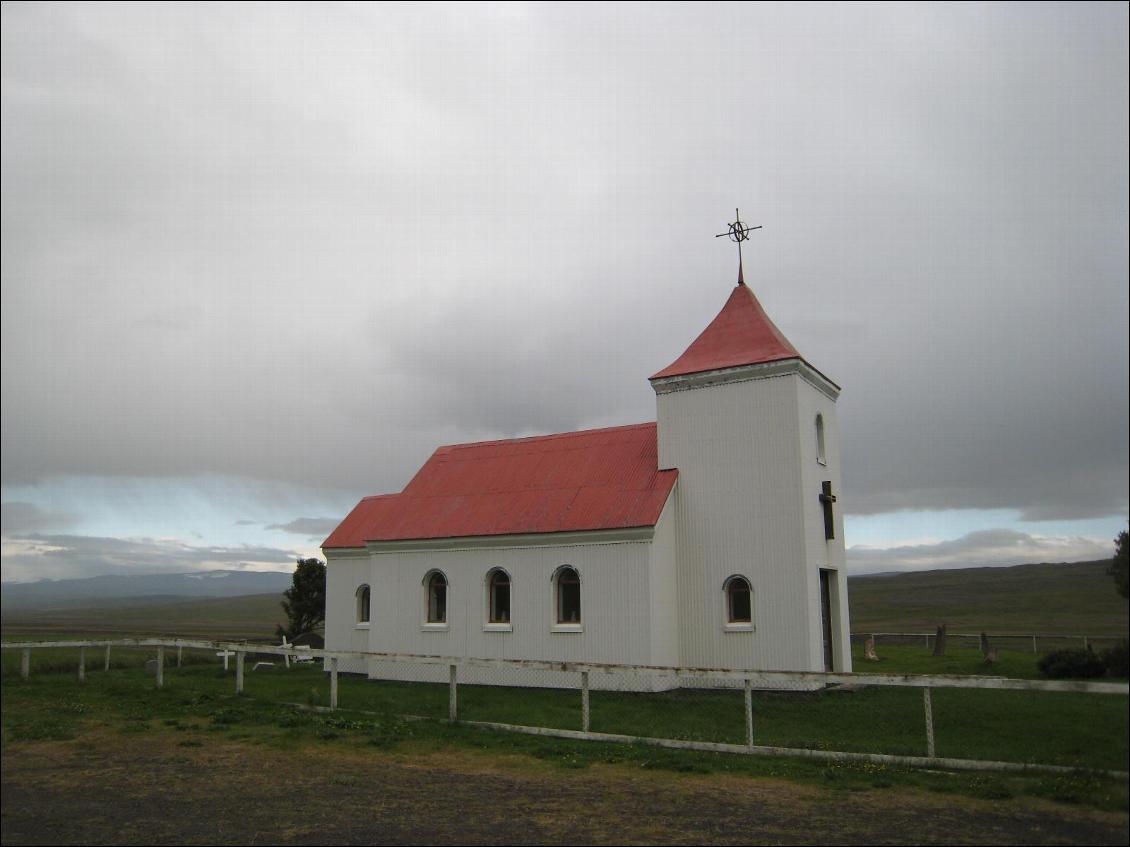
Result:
x=82 y=664
x=452 y=695
x=584 y=701
x=160 y=667
x=239 y=671
x=927 y=642
x=1033 y=643
x=333 y=682
x=25 y=663
x=180 y=651
x=1086 y=643
x=929 y=722
x=749 y=712
x=106 y=663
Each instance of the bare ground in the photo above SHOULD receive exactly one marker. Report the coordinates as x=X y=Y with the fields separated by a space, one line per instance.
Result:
x=145 y=789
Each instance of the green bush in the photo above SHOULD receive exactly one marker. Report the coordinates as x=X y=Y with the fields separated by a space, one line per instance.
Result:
x=1071 y=664
x=1116 y=659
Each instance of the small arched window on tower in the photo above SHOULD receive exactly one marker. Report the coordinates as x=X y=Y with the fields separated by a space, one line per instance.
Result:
x=567 y=587
x=821 y=457
x=498 y=597
x=363 y=604
x=739 y=602
x=437 y=597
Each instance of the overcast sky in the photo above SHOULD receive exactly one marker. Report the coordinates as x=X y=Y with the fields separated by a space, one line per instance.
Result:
x=259 y=261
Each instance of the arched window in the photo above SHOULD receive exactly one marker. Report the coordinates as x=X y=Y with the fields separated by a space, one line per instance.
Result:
x=363 y=604
x=567 y=587
x=498 y=596
x=820 y=455
x=437 y=597
x=739 y=601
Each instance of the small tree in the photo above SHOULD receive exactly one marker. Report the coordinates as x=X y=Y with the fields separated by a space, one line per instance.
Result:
x=1120 y=563
x=305 y=603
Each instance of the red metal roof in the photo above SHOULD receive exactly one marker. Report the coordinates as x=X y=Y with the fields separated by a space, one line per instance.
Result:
x=589 y=480
x=741 y=334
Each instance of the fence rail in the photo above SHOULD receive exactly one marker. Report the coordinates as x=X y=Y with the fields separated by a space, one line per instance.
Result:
x=1034 y=637
x=750 y=678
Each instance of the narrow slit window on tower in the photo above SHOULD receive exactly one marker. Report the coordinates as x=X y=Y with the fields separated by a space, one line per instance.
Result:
x=739 y=601
x=498 y=596
x=437 y=598
x=568 y=596
x=821 y=457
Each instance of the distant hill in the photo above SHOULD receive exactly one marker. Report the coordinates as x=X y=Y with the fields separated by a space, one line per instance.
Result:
x=107 y=591
x=1055 y=599
x=215 y=618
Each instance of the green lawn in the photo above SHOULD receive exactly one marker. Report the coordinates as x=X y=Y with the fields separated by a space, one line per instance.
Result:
x=1068 y=729
x=1084 y=731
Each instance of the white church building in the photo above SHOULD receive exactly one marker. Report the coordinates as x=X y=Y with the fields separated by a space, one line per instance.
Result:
x=710 y=538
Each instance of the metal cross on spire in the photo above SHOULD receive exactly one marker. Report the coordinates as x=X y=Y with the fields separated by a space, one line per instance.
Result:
x=738 y=232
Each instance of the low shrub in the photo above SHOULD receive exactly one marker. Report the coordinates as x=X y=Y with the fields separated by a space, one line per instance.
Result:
x=1071 y=664
x=1116 y=659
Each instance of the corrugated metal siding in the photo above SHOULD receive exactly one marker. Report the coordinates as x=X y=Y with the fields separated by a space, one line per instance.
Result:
x=345 y=573
x=738 y=510
x=577 y=481
x=614 y=603
x=741 y=334
x=665 y=589
x=819 y=552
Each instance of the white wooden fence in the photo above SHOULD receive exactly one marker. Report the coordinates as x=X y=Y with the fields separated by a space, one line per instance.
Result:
x=1086 y=641
x=750 y=679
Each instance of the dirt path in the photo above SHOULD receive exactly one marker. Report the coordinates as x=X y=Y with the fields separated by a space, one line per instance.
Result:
x=126 y=789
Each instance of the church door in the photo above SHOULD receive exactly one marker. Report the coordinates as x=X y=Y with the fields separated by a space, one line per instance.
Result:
x=826 y=616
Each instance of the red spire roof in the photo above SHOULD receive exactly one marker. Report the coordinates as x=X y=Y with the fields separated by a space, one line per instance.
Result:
x=594 y=479
x=741 y=334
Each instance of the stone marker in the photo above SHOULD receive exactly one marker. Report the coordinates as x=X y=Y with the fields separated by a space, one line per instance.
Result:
x=869 y=650
x=940 y=641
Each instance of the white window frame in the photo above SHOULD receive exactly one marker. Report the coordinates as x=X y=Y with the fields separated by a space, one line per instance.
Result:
x=732 y=625
x=427 y=624
x=358 y=595
x=497 y=626
x=557 y=624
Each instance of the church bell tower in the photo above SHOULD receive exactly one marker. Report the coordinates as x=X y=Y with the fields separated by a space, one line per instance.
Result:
x=751 y=427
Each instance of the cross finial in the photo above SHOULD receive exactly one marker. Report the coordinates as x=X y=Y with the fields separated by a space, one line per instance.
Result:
x=738 y=232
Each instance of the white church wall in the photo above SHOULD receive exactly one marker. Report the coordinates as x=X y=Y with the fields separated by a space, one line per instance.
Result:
x=615 y=611
x=821 y=553
x=738 y=510
x=345 y=572
x=663 y=584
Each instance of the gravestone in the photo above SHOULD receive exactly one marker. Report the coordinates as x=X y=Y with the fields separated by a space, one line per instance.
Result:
x=940 y=641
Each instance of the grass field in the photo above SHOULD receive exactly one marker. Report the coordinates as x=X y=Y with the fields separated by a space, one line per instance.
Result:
x=1064 y=599
x=252 y=617
x=1085 y=731
x=120 y=714
x=1068 y=729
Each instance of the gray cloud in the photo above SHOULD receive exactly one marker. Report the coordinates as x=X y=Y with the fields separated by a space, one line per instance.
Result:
x=313 y=527
x=993 y=547
x=315 y=258
x=31 y=557
x=17 y=517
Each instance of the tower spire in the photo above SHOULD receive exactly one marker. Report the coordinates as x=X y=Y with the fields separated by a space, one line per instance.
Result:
x=738 y=232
